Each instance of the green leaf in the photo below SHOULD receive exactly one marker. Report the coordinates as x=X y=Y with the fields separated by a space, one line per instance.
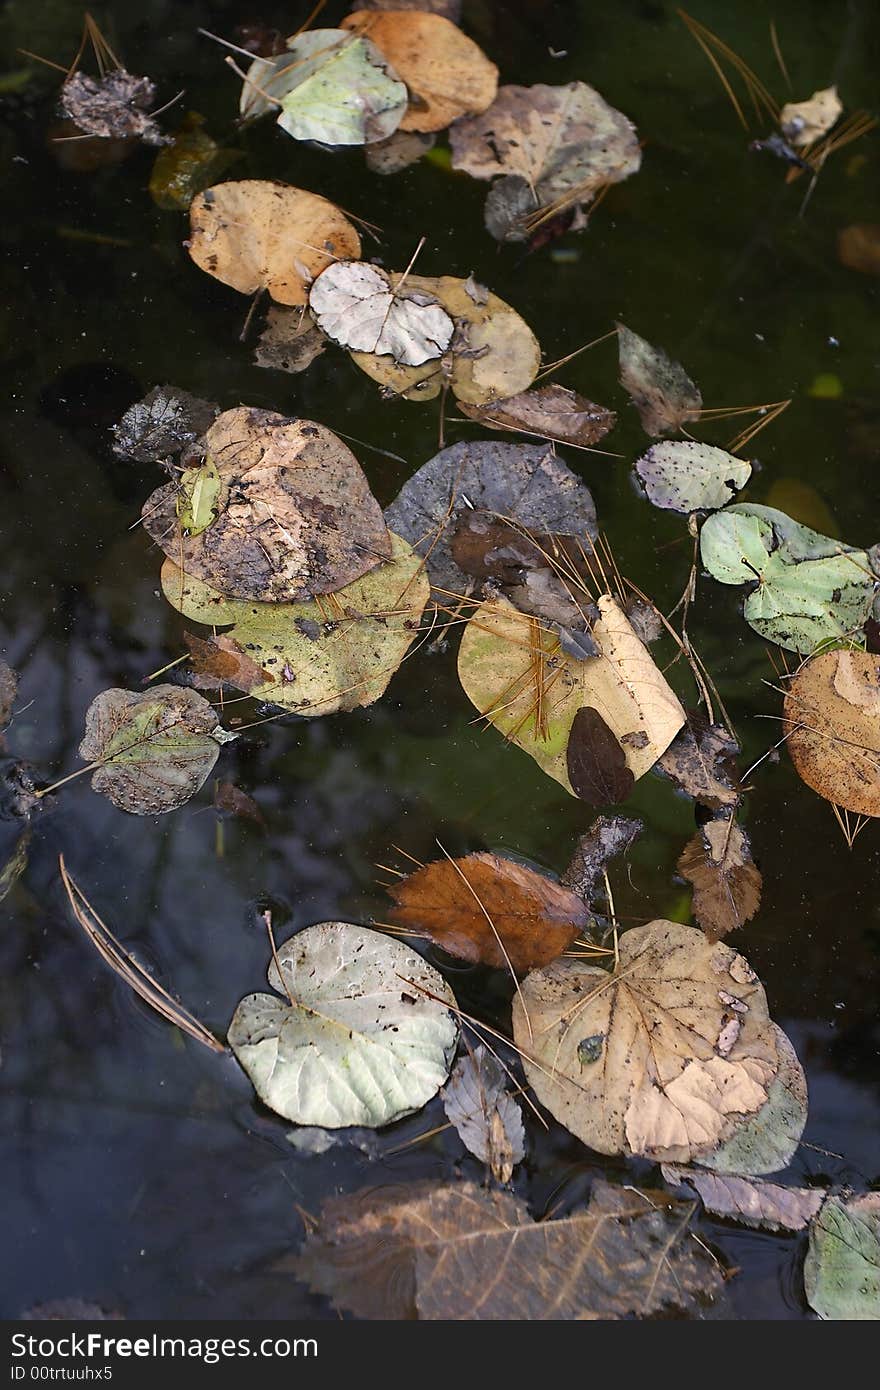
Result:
x=842 y=1269
x=198 y=498
x=683 y=475
x=767 y=1141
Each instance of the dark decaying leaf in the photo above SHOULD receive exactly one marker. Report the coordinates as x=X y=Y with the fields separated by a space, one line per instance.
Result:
x=458 y=1252
x=160 y=426
x=597 y=767
x=701 y=761
x=14 y=849
x=8 y=688
x=645 y=619
x=552 y=412
x=660 y=389
x=218 y=661
x=69 y=1310
x=726 y=881
x=115 y=106
x=489 y=909
x=607 y=837
x=397 y=151
x=766 y=1206
x=189 y=164
x=477 y=1100
x=290 y=340
x=231 y=799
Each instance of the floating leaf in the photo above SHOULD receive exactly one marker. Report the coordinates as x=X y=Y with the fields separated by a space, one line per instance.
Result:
x=809 y=588
x=595 y=761
x=832 y=714
x=446 y=73
x=550 y=412
x=701 y=762
x=489 y=1121
x=842 y=1268
x=198 y=497
x=290 y=340
x=457 y=1252
x=400 y=151
x=491 y=910
x=356 y=306
x=336 y=653
x=231 y=800
x=190 y=163
x=358 y=1040
x=767 y=1141
x=607 y=837
x=115 y=106
x=295 y=513
x=803 y=122
x=657 y=1078
x=660 y=389
x=162 y=425
x=683 y=475
x=155 y=748
x=763 y=1205
x=727 y=884
x=259 y=235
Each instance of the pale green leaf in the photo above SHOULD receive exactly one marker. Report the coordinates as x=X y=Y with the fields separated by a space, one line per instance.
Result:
x=842 y=1269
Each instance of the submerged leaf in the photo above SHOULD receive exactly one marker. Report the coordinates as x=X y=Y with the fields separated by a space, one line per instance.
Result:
x=551 y=412
x=596 y=762
x=162 y=425
x=607 y=837
x=290 y=340
x=401 y=150
x=682 y=475
x=358 y=1040
x=488 y=1118
x=727 y=883
x=660 y=389
x=832 y=728
x=766 y=1206
x=190 y=163
x=858 y=247
x=8 y=689
x=842 y=1268
x=356 y=306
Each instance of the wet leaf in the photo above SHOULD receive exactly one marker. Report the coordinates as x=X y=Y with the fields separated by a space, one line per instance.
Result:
x=842 y=1269
x=115 y=106
x=218 y=661
x=767 y=1141
x=190 y=163
x=550 y=412
x=596 y=762
x=858 y=247
x=488 y=909
x=803 y=122
x=607 y=837
x=155 y=747
x=295 y=516
x=258 y=235
x=335 y=653
x=400 y=151
x=763 y=1205
x=660 y=389
x=198 y=497
x=233 y=801
x=682 y=475
x=290 y=340
x=447 y=75
x=809 y=588
x=14 y=851
x=727 y=883
x=356 y=306
x=362 y=1044
x=458 y=1252
x=658 y=1079
x=701 y=762
x=163 y=424
x=832 y=723
x=8 y=689
x=449 y=9
x=477 y=1100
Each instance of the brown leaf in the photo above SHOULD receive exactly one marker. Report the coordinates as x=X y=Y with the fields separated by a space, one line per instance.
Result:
x=8 y=688
x=229 y=797
x=550 y=412
x=660 y=389
x=832 y=719
x=116 y=106
x=858 y=247
x=701 y=762
x=457 y=1252
x=162 y=425
x=397 y=152
x=290 y=340
x=471 y=905
x=766 y=1206
x=726 y=881
x=597 y=767
x=607 y=837
x=477 y=1100
x=218 y=660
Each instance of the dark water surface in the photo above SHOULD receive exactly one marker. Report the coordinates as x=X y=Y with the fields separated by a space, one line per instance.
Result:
x=136 y=1169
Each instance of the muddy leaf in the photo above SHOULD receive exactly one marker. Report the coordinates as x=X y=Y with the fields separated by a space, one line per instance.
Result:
x=803 y=122
x=356 y=306
x=842 y=1268
x=682 y=475
x=858 y=247
x=607 y=837
x=8 y=689
x=701 y=762
x=290 y=340
x=116 y=106
x=155 y=747
x=233 y=801
x=807 y=588
x=657 y=1079
x=832 y=723
x=727 y=883
x=660 y=389
x=458 y=1252
x=190 y=163
x=400 y=151
x=766 y=1206
x=550 y=412
x=491 y=910
x=596 y=762
x=477 y=1100
x=349 y=1045
x=446 y=73
x=523 y=681
x=295 y=514
x=258 y=235
x=163 y=424
x=767 y=1141
x=337 y=653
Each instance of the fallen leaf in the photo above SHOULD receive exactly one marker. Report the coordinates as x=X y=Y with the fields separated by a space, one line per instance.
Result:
x=489 y=1120
x=198 y=497
x=832 y=727
x=14 y=851
x=190 y=163
x=491 y=910
x=398 y=152
x=682 y=475
x=700 y=760
x=660 y=389
x=809 y=588
x=842 y=1268
x=804 y=122
x=116 y=106
x=295 y=513
x=311 y=1139
x=595 y=761
x=727 y=883
x=858 y=247
x=629 y=1061
x=335 y=653
x=290 y=339
x=767 y=1141
x=607 y=837
x=446 y=73
x=766 y=1206
x=232 y=800
x=8 y=690
x=69 y=1310
x=258 y=235
x=155 y=748
x=550 y=412
x=449 y=9
x=356 y=306
x=218 y=661
x=357 y=1040
x=163 y=424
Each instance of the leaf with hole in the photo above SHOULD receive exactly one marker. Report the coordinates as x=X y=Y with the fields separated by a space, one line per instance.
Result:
x=683 y=475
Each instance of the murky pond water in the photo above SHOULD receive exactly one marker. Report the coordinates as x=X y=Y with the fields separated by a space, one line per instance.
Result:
x=137 y=1169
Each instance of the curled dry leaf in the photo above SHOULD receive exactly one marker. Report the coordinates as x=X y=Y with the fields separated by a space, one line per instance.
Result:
x=336 y=653
x=726 y=881
x=842 y=1268
x=357 y=1040
x=296 y=515
x=258 y=235
x=607 y=837
x=550 y=412
x=766 y=1206
x=115 y=106
x=489 y=1120
x=595 y=761
x=803 y=122
x=290 y=340
x=155 y=748
x=832 y=727
x=163 y=424
x=490 y=910
x=458 y=1252
x=701 y=761
x=682 y=475
x=447 y=74
x=357 y=307
x=767 y=1141
x=660 y=389
x=639 y=1061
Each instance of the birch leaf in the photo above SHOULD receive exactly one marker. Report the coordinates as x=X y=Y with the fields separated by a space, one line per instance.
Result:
x=682 y=475
x=842 y=1268
x=660 y=389
x=477 y=1100
x=356 y=306
x=832 y=714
